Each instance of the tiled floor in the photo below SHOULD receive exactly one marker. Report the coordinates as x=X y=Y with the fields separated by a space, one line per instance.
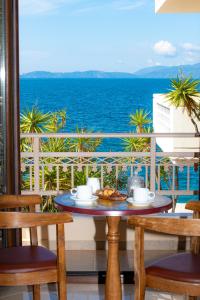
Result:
x=78 y=292
x=93 y=261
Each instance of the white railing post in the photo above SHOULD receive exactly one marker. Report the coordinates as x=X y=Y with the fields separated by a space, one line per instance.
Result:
x=153 y=165
x=36 y=150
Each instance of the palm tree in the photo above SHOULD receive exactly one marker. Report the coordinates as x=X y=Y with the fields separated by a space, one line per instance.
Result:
x=63 y=116
x=185 y=94
x=57 y=121
x=136 y=144
x=84 y=144
x=139 y=119
x=34 y=121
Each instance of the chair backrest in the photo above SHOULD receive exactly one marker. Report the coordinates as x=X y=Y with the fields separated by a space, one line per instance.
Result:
x=11 y=220
x=22 y=201
x=185 y=227
x=17 y=201
x=195 y=207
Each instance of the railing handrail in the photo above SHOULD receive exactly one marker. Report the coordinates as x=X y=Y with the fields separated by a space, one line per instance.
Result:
x=109 y=135
x=109 y=154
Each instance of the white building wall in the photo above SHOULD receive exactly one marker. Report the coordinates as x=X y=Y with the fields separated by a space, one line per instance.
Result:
x=169 y=119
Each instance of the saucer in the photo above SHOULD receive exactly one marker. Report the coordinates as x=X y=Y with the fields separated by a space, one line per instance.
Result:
x=84 y=202
x=131 y=201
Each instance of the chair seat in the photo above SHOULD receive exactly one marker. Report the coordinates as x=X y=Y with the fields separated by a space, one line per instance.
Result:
x=26 y=259
x=180 y=267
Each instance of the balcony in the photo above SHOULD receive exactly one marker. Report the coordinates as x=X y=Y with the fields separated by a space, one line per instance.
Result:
x=168 y=173
x=174 y=174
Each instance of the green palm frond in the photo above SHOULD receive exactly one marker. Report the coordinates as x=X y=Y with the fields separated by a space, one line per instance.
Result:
x=185 y=94
x=139 y=119
x=57 y=121
x=34 y=121
x=63 y=115
x=136 y=144
x=54 y=145
x=84 y=144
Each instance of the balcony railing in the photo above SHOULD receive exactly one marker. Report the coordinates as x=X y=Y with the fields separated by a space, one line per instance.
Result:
x=50 y=173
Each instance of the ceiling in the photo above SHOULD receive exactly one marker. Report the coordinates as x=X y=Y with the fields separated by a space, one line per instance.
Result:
x=177 y=6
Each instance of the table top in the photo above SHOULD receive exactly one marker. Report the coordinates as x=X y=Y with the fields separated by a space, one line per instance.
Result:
x=112 y=208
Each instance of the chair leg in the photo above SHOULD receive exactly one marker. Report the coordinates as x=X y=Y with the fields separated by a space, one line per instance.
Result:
x=62 y=291
x=139 y=293
x=36 y=292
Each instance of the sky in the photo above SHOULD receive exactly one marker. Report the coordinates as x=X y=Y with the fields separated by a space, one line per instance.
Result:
x=105 y=35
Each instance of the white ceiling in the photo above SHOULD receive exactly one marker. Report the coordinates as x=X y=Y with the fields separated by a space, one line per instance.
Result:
x=177 y=6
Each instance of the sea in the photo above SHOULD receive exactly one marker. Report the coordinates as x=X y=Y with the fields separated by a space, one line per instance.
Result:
x=98 y=105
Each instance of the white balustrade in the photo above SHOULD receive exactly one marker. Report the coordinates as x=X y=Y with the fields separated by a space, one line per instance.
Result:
x=37 y=167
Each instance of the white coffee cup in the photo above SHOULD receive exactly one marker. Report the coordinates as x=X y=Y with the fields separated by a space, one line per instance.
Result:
x=143 y=195
x=94 y=183
x=82 y=192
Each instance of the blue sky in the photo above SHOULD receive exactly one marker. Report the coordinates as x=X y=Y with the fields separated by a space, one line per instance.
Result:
x=107 y=35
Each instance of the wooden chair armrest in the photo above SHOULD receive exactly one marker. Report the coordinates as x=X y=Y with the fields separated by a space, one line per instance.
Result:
x=193 y=205
x=24 y=219
x=185 y=227
x=14 y=201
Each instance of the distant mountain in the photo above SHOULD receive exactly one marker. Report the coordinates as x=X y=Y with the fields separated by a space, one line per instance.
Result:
x=169 y=72
x=86 y=74
x=150 y=72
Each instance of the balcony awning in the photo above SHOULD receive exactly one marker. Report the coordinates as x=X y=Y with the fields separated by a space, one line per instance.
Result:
x=177 y=6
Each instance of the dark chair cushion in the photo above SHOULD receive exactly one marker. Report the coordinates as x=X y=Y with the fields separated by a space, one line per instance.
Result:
x=26 y=259
x=181 y=267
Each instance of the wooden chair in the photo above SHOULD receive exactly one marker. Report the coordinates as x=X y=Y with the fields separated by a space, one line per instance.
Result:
x=178 y=273
x=195 y=207
x=32 y=265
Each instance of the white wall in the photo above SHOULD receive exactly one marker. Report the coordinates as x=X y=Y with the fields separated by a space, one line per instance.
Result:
x=81 y=235
x=169 y=119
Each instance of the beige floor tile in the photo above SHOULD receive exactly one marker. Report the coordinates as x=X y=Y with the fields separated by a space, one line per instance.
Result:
x=79 y=292
x=97 y=260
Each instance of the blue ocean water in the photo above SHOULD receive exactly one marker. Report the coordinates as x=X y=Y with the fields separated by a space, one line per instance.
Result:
x=101 y=105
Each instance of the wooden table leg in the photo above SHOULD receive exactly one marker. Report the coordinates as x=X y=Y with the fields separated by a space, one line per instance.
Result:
x=113 y=282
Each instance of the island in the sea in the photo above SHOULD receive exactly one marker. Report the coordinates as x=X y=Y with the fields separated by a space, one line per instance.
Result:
x=149 y=72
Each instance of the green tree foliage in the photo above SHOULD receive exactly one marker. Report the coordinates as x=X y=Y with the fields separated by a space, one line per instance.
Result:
x=184 y=94
x=140 y=119
x=142 y=123
x=34 y=121
x=84 y=144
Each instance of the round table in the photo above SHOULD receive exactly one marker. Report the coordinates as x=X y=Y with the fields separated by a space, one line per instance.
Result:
x=113 y=211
